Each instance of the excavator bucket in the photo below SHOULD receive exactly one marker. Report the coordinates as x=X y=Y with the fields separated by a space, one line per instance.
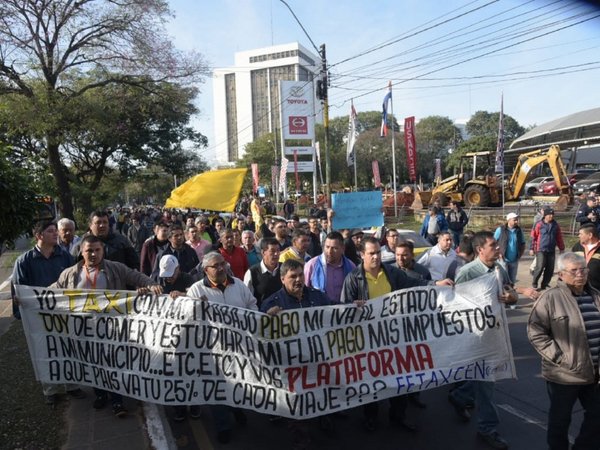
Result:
x=422 y=200
x=563 y=202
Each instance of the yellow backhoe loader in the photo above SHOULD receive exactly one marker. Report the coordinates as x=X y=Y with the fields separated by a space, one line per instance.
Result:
x=485 y=190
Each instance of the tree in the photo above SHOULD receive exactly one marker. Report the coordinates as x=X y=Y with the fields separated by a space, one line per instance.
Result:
x=484 y=123
x=16 y=184
x=435 y=135
x=116 y=130
x=46 y=46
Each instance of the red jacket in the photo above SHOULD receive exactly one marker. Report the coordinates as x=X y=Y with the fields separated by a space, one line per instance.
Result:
x=237 y=260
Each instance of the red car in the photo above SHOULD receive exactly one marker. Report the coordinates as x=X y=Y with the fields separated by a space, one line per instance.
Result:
x=549 y=187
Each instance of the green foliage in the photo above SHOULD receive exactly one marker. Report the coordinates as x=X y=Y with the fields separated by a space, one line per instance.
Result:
x=87 y=82
x=17 y=189
x=484 y=123
x=475 y=144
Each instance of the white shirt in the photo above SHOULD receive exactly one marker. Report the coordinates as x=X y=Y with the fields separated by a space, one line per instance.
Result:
x=437 y=262
x=236 y=294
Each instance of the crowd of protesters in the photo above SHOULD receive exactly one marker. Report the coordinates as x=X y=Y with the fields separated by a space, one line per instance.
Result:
x=257 y=260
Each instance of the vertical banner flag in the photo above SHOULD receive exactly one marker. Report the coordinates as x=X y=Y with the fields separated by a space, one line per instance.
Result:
x=386 y=99
x=254 y=167
x=274 y=170
x=411 y=148
x=438 y=169
x=500 y=146
x=297 y=110
x=352 y=135
x=282 y=174
x=296 y=170
x=376 y=176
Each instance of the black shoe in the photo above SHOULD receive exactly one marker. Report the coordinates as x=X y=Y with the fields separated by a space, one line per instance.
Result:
x=100 y=402
x=118 y=410
x=179 y=415
x=407 y=425
x=493 y=439
x=76 y=393
x=370 y=425
x=326 y=424
x=461 y=411
x=416 y=401
x=240 y=417
x=275 y=420
x=51 y=400
x=224 y=436
x=195 y=412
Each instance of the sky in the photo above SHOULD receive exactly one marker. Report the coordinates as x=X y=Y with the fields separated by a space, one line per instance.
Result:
x=449 y=58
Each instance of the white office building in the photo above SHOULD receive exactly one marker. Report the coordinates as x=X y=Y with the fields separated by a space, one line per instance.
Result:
x=246 y=96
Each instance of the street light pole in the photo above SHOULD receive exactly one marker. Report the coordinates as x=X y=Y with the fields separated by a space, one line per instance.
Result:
x=322 y=94
x=324 y=89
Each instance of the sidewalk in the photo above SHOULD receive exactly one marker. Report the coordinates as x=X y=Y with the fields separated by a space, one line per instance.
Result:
x=143 y=428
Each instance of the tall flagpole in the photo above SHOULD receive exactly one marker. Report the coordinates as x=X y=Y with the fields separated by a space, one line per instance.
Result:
x=354 y=155
x=393 y=151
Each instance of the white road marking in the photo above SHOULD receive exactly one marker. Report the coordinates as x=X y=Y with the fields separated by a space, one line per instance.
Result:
x=528 y=419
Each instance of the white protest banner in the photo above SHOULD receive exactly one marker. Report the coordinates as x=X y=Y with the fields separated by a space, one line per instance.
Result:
x=301 y=363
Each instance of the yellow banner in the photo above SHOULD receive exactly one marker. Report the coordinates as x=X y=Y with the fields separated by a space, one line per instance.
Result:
x=217 y=190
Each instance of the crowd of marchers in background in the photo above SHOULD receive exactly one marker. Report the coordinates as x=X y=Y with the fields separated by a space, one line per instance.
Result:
x=257 y=260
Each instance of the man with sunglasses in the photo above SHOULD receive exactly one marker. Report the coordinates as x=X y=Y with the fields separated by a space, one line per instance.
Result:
x=564 y=328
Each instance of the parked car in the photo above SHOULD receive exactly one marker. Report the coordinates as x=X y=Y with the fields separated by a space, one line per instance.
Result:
x=591 y=183
x=531 y=188
x=550 y=188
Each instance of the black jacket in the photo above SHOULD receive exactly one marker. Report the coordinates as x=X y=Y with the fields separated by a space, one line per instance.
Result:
x=357 y=288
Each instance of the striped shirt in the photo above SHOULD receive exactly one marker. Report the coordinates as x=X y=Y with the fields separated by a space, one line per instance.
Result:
x=591 y=321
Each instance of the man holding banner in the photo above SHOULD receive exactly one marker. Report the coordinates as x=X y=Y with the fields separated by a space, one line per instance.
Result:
x=372 y=279
x=95 y=272
x=487 y=251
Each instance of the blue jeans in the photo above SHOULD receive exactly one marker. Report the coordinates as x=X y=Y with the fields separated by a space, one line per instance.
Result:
x=562 y=400
x=511 y=268
x=222 y=417
x=483 y=393
x=456 y=235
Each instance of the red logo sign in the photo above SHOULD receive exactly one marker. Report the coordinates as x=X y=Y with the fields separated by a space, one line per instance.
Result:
x=298 y=124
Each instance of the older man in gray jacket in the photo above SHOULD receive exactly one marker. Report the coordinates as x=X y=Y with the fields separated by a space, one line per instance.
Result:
x=564 y=328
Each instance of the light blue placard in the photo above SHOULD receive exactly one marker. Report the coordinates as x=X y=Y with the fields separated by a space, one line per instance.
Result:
x=357 y=209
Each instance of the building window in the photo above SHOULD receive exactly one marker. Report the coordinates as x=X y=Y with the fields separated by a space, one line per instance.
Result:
x=232 y=131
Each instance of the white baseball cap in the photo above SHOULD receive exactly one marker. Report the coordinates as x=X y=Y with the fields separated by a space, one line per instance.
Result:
x=167 y=265
x=512 y=216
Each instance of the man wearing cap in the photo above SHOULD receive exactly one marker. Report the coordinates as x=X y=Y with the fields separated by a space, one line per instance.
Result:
x=176 y=283
x=511 y=243
x=173 y=281
x=545 y=237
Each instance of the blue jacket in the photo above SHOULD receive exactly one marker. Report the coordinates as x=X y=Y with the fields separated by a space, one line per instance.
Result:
x=310 y=298
x=442 y=224
x=33 y=269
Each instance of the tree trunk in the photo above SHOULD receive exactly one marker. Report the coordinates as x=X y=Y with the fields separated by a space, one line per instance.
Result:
x=60 y=177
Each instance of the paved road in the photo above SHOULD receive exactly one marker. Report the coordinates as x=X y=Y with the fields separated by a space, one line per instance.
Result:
x=522 y=404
